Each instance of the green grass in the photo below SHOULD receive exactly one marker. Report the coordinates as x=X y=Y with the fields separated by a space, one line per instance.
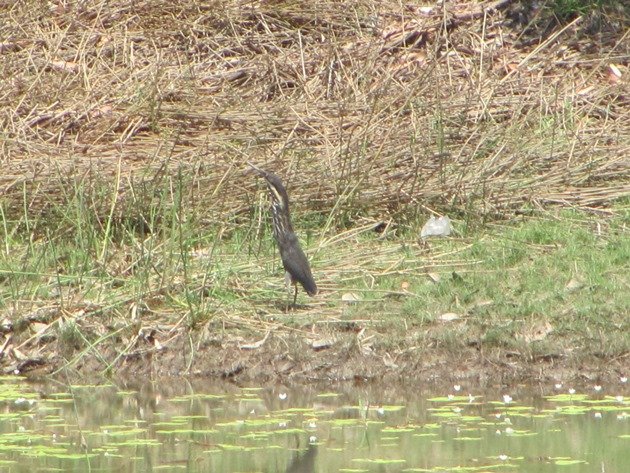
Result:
x=566 y=270
x=553 y=268
x=564 y=9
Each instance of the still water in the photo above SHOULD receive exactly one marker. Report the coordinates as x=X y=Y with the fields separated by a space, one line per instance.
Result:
x=191 y=426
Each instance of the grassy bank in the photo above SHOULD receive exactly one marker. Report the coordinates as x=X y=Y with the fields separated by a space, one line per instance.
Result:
x=550 y=287
x=129 y=229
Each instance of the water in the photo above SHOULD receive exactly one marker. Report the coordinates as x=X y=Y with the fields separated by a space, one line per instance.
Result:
x=184 y=426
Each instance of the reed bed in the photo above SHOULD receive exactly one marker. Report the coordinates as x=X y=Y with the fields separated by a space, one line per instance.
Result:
x=369 y=108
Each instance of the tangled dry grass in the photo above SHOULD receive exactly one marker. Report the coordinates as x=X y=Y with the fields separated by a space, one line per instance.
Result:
x=364 y=107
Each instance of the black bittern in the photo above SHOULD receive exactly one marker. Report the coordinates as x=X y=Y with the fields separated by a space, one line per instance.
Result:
x=297 y=269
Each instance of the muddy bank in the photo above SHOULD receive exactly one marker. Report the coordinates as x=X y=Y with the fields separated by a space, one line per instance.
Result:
x=311 y=354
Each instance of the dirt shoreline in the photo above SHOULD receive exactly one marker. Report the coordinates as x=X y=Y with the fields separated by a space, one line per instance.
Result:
x=293 y=359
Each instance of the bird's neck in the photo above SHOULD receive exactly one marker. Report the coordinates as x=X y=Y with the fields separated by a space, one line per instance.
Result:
x=282 y=226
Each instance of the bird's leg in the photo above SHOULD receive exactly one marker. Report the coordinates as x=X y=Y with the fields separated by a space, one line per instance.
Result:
x=295 y=293
x=288 y=282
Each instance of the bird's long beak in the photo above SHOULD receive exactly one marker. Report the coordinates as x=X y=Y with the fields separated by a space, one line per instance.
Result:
x=255 y=170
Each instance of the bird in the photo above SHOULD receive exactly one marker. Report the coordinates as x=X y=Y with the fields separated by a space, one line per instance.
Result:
x=296 y=266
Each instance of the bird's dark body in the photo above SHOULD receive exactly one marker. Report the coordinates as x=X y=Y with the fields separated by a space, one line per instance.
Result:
x=295 y=263
x=293 y=258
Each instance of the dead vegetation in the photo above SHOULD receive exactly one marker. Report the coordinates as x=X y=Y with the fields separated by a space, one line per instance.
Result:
x=382 y=106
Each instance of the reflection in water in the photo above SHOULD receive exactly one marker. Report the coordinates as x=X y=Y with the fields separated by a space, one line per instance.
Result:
x=304 y=462
x=192 y=426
